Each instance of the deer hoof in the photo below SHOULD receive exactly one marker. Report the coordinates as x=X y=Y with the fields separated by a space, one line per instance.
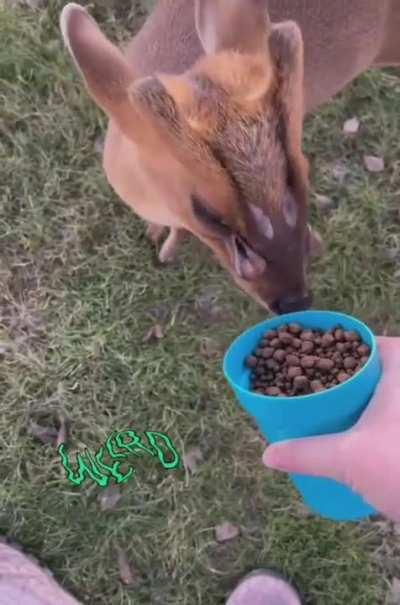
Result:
x=169 y=248
x=154 y=232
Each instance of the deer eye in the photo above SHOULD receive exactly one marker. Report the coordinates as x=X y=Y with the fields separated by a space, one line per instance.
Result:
x=208 y=217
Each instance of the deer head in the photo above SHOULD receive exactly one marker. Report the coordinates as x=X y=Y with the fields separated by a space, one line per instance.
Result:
x=225 y=136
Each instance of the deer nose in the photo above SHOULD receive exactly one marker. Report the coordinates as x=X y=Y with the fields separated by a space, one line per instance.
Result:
x=292 y=303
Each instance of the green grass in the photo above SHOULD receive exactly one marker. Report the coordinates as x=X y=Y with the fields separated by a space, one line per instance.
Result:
x=80 y=289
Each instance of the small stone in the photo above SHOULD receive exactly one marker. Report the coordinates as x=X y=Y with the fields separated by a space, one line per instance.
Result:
x=325 y=364
x=324 y=202
x=340 y=347
x=294 y=371
x=364 y=360
x=251 y=361
x=351 y=126
x=270 y=335
x=307 y=346
x=308 y=361
x=273 y=391
x=342 y=377
x=340 y=171
x=275 y=342
x=226 y=531
x=293 y=360
x=296 y=343
x=349 y=363
x=373 y=163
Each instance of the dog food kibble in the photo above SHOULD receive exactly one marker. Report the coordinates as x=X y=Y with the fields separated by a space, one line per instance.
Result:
x=293 y=360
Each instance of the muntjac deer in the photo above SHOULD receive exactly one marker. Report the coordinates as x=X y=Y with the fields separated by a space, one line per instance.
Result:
x=206 y=108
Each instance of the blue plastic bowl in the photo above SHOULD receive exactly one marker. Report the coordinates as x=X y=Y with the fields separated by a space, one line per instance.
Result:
x=331 y=411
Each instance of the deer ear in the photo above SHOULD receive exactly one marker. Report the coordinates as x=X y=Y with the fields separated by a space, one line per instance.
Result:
x=241 y=25
x=287 y=53
x=105 y=70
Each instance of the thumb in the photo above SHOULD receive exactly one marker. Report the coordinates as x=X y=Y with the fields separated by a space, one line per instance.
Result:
x=318 y=456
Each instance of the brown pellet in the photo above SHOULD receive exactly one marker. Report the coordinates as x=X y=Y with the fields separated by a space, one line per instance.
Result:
x=308 y=361
x=327 y=341
x=350 y=336
x=343 y=376
x=316 y=386
x=325 y=364
x=300 y=382
x=273 y=391
x=280 y=355
x=363 y=350
x=339 y=334
x=349 y=363
x=285 y=338
x=294 y=371
x=307 y=346
x=293 y=361
x=267 y=352
x=294 y=329
x=251 y=361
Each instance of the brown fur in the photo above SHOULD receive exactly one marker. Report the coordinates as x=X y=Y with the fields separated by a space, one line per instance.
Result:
x=206 y=111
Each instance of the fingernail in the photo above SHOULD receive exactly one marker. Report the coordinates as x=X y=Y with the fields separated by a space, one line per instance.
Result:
x=272 y=459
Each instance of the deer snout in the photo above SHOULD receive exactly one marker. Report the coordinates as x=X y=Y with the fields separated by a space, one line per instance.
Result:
x=292 y=303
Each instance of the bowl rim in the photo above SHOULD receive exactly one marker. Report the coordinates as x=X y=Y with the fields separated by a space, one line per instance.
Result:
x=270 y=398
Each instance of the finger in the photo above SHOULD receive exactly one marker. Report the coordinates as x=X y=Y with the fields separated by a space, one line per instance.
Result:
x=321 y=456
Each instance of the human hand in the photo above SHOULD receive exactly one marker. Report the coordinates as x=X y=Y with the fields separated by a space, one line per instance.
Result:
x=367 y=456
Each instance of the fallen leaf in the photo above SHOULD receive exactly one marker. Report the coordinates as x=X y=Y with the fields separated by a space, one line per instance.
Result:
x=393 y=596
x=35 y=4
x=45 y=434
x=5 y=347
x=226 y=531
x=324 y=202
x=209 y=348
x=373 y=163
x=128 y=575
x=63 y=431
x=340 y=171
x=109 y=497
x=351 y=126
x=302 y=511
x=155 y=333
x=99 y=145
x=192 y=459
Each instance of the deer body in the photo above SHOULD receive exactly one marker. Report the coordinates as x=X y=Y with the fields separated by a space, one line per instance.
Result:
x=206 y=106
x=341 y=40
